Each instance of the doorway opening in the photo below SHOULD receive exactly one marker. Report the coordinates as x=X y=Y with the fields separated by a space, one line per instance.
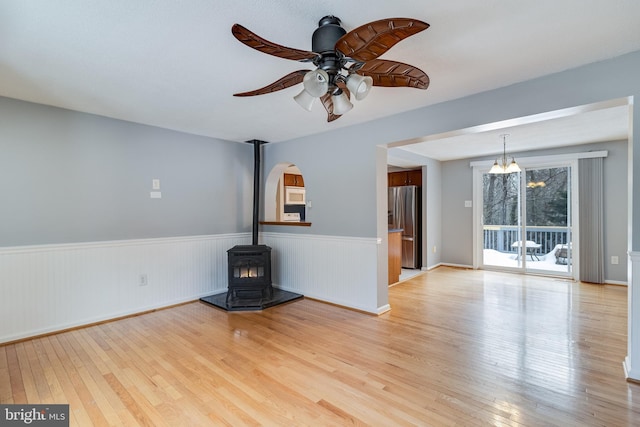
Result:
x=405 y=222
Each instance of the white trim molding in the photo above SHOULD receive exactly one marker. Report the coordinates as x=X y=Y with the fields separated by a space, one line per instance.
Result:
x=453 y=265
x=383 y=309
x=615 y=282
x=632 y=361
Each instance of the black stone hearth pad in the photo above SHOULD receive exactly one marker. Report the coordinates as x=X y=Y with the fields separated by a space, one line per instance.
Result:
x=253 y=304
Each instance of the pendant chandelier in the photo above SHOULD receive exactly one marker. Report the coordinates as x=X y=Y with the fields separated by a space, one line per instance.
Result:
x=501 y=166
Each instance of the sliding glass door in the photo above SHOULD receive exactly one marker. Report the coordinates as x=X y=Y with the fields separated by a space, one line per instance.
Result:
x=548 y=219
x=502 y=226
x=526 y=220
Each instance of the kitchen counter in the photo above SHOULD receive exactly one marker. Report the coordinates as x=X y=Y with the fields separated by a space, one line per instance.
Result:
x=395 y=254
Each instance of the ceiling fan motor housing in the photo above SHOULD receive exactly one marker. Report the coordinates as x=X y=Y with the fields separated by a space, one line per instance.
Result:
x=326 y=35
x=324 y=41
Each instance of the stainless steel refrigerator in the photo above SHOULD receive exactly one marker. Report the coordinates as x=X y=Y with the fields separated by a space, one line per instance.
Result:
x=404 y=213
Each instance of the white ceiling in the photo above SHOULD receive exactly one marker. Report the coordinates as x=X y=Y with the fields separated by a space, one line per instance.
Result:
x=607 y=121
x=176 y=65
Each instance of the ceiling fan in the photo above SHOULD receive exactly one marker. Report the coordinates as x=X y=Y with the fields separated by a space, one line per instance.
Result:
x=347 y=62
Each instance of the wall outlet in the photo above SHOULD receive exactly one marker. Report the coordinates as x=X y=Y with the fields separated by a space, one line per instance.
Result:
x=614 y=259
x=468 y=204
x=143 y=280
x=155 y=195
x=434 y=249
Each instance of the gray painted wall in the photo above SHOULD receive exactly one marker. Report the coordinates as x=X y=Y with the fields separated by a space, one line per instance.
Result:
x=339 y=175
x=74 y=177
x=457 y=221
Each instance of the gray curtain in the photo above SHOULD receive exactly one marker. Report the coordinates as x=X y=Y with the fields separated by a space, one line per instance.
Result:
x=591 y=218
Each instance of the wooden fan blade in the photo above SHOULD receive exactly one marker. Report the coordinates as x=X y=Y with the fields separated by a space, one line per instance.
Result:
x=258 y=43
x=328 y=105
x=289 y=80
x=371 y=40
x=342 y=85
x=394 y=74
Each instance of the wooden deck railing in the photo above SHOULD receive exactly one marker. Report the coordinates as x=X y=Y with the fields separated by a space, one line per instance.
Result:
x=501 y=237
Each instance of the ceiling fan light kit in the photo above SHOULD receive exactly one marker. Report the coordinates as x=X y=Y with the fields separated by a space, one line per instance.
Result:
x=359 y=85
x=305 y=100
x=346 y=62
x=316 y=83
x=341 y=103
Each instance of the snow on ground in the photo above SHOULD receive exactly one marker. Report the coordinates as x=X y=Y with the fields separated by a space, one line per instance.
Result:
x=547 y=262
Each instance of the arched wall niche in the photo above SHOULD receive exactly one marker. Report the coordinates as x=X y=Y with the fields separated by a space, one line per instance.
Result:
x=274 y=191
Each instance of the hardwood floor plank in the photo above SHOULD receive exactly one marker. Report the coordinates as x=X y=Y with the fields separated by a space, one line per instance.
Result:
x=41 y=383
x=67 y=390
x=459 y=347
x=6 y=391
x=28 y=379
x=134 y=407
x=54 y=388
x=89 y=412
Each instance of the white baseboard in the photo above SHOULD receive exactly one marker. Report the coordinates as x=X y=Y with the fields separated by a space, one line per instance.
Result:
x=615 y=282
x=447 y=264
x=629 y=373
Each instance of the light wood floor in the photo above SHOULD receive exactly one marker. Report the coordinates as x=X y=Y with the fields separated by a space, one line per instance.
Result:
x=459 y=347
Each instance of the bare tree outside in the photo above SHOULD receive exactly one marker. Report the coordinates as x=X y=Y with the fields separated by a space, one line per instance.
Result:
x=546 y=197
x=547 y=208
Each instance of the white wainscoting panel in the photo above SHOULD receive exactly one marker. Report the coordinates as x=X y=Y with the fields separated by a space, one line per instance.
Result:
x=48 y=288
x=339 y=270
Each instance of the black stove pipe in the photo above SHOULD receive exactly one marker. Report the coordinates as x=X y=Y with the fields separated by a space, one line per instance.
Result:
x=256 y=188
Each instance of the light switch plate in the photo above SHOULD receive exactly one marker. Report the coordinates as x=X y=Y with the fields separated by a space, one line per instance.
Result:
x=155 y=195
x=155 y=184
x=468 y=204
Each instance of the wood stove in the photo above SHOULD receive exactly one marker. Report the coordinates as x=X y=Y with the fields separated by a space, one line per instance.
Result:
x=249 y=275
x=250 y=265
